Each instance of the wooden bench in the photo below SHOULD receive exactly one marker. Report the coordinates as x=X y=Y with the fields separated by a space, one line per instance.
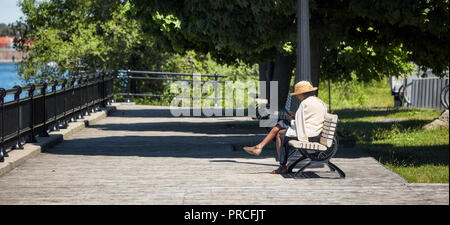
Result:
x=318 y=153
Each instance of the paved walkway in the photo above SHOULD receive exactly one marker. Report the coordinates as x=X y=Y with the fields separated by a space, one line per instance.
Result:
x=141 y=155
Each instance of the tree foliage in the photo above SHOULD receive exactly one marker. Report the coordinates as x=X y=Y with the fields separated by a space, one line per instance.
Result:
x=84 y=35
x=69 y=37
x=6 y=30
x=371 y=38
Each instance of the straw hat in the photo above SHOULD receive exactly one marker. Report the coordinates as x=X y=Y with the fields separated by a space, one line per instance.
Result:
x=303 y=87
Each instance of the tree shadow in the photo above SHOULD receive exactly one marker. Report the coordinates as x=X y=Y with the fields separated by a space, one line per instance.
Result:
x=410 y=155
x=225 y=127
x=155 y=146
x=165 y=112
x=365 y=133
x=306 y=174
x=223 y=140
x=370 y=131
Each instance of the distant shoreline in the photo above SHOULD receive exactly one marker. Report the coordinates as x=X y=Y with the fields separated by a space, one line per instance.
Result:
x=7 y=54
x=8 y=61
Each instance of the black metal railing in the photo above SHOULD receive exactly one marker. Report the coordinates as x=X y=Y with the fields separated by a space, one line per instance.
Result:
x=133 y=75
x=51 y=106
x=25 y=118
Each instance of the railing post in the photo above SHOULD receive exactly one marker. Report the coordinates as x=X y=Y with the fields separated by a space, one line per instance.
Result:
x=44 y=94
x=113 y=76
x=80 y=86
x=19 y=116
x=32 y=138
x=72 y=93
x=63 y=123
x=103 y=89
x=3 y=152
x=92 y=92
x=95 y=91
x=215 y=90
x=55 y=121
x=128 y=86
x=86 y=95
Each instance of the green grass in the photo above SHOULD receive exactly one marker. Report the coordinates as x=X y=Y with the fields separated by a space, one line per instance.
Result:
x=416 y=154
x=395 y=137
x=355 y=94
x=423 y=173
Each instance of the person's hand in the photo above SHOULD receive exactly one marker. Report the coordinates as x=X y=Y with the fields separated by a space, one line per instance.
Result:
x=290 y=116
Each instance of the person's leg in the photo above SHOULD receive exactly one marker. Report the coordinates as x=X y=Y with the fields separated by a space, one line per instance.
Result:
x=284 y=147
x=284 y=150
x=272 y=134
x=257 y=149
x=279 y=140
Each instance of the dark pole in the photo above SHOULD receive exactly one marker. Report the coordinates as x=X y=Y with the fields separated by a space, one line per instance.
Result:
x=303 y=49
x=303 y=66
x=329 y=95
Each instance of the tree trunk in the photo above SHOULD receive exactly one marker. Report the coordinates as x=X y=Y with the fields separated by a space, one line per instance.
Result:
x=283 y=73
x=263 y=67
x=316 y=56
x=316 y=48
x=266 y=71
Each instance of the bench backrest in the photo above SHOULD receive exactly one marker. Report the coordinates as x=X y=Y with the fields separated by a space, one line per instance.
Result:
x=329 y=129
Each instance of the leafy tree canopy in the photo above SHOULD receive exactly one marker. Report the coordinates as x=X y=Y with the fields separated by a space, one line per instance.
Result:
x=372 y=38
x=69 y=37
x=6 y=30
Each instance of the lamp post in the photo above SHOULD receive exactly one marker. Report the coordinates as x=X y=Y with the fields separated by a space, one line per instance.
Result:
x=303 y=69
x=303 y=65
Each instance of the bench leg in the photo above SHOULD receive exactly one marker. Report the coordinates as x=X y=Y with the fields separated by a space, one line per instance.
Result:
x=291 y=167
x=341 y=173
x=301 y=169
x=331 y=168
x=291 y=153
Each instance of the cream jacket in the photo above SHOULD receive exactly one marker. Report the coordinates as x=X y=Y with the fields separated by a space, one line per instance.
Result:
x=309 y=119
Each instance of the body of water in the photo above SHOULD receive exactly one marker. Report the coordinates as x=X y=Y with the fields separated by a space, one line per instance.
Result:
x=8 y=76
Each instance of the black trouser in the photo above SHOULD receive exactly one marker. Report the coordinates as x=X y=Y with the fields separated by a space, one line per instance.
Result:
x=284 y=149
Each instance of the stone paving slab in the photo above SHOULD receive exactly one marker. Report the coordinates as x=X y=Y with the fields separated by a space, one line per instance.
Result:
x=142 y=155
x=19 y=156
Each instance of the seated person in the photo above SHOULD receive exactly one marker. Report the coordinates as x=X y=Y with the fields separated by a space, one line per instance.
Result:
x=275 y=132
x=305 y=126
x=308 y=123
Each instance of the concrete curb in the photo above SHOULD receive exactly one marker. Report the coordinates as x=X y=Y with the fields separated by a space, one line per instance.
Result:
x=19 y=156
